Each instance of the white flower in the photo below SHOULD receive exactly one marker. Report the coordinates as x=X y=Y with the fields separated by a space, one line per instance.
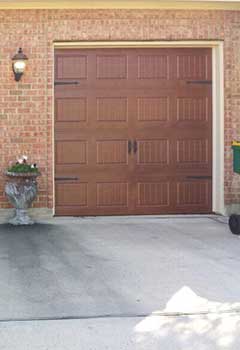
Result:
x=20 y=160
x=24 y=157
x=32 y=166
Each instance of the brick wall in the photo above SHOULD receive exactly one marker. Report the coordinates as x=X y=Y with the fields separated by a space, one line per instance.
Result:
x=26 y=108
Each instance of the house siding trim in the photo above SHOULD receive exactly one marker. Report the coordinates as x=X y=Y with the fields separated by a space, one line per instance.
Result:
x=121 y=4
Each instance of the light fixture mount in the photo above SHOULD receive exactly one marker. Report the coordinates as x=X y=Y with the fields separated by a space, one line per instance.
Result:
x=19 y=64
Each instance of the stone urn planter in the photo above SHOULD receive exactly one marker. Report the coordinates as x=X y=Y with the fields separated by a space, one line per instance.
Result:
x=21 y=190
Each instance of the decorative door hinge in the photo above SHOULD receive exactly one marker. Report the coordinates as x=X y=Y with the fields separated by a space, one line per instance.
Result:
x=66 y=83
x=66 y=178
x=204 y=82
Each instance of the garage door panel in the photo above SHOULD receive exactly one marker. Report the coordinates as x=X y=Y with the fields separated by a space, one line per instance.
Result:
x=112 y=109
x=71 y=110
x=134 y=132
x=71 y=152
x=194 y=109
x=153 y=66
x=193 y=65
x=71 y=67
x=112 y=151
x=112 y=194
x=111 y=66
x=153 y=152
x=193 y=193
x=153 y=109
x=192 y=152
x=73 y=194
x=153 y=194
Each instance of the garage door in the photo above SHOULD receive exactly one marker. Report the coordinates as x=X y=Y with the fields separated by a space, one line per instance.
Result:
x=133 y=131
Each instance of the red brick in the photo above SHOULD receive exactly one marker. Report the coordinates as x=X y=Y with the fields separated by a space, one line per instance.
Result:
x=26 y=108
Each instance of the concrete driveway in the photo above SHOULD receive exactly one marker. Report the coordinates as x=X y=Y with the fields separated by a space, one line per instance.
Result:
x=120 y=283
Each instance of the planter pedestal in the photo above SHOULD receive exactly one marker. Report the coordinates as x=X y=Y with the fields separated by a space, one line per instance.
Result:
x=21 y=217
x=21 y=190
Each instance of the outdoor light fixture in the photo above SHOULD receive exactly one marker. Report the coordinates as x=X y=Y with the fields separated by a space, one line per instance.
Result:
x=19 y=64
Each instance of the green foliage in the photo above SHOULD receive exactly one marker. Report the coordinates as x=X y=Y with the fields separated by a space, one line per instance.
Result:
x=22 y=168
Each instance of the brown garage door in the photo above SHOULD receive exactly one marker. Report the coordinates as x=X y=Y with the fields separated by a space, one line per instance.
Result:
x=133 y=131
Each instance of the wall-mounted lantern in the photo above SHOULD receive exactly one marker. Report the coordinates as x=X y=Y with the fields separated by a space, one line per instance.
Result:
x=19 y=64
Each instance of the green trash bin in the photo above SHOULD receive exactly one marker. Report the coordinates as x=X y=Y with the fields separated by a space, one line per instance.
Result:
x=236 y=158
x=234 y=219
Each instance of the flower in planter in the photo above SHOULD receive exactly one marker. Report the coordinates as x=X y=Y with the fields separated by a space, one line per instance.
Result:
x=24 y=158
x=22 y=166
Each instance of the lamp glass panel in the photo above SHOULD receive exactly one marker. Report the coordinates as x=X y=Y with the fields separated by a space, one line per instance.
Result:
x=19 y=66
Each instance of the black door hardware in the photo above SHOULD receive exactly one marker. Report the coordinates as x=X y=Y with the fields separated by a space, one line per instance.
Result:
x=66 y=83
x=129 y=146
x=206 y=82
x=66 y=178
x=135 y=146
